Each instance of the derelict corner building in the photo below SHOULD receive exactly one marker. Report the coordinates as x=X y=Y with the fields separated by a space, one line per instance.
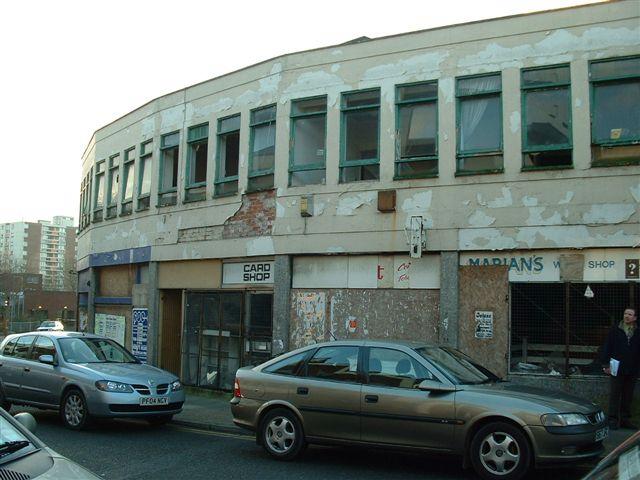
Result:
x=476 y=185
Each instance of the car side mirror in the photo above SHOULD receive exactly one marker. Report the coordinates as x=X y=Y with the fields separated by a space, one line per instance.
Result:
x=434 y=386
x=27 y=420
x=48 y=359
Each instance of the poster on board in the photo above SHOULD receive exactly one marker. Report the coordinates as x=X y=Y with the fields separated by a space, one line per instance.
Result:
x=110 y=326
x=140 y=333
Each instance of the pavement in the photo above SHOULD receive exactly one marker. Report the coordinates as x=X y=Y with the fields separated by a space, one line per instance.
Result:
x=207 y=410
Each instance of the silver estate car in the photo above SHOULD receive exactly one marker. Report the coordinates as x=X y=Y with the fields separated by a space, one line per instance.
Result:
x=84 y=376
x=413 y=396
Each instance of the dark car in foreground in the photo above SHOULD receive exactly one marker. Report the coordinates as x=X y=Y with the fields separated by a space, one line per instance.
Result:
x=623 y=463
x=413 y=396
x=84 y=376
x=23 y=456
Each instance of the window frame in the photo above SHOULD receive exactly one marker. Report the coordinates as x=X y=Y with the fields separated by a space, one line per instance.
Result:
x=194 y=192
x=168 y=196
x=484 y=151
x=343 y=163
x=292 y=120
x=143 y=199
x=609 y=80
x=251 y=174
x=218 y=180
x=112 y=203
x=398 y=147
x=548 y=86
x=128 y=168
x=98 y=209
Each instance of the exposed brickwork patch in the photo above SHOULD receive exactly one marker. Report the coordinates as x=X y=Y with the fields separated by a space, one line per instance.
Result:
x=255 y=218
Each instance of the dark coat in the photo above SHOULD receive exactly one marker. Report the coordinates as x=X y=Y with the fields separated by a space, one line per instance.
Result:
x=626 y=350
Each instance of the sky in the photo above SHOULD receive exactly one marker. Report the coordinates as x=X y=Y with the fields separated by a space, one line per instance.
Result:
x=71 y=67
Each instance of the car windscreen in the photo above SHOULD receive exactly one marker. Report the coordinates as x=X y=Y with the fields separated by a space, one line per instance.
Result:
x=12 y=442
x=48 y=324
x=458 y=367
x=94 y=350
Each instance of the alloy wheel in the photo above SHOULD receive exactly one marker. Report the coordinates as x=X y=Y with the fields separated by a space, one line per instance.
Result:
x=74 y=410
x=280 y=434
x=499 y=453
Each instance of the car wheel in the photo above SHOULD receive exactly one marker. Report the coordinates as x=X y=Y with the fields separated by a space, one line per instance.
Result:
x=281 y=434
x=159 y=420
x=73 y=410
x=500 y=451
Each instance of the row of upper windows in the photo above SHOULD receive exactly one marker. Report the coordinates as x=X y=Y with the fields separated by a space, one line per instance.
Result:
x=546 y=137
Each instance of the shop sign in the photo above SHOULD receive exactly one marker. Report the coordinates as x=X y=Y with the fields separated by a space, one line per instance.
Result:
x=140 y=333
x=484 y=324
x=249 y=272
x=110 y=326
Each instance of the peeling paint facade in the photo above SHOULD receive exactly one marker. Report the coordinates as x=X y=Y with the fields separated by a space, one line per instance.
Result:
x=329 y=244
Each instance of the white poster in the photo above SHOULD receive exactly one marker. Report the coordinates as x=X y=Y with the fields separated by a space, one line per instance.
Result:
x=484 y=324
x=110 y=326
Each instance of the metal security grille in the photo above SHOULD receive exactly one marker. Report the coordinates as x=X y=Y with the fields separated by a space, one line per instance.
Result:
x=558 y=328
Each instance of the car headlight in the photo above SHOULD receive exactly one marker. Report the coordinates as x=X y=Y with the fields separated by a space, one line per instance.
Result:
x=117 y=387
x=563 y=419
x=175 y=386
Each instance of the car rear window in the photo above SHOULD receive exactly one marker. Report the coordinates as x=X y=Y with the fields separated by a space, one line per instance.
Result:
x=288 y=366
x=7 y=351
x=21 y=349
x=334 y=363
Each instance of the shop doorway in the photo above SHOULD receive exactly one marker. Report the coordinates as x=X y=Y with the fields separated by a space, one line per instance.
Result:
x=212 y=341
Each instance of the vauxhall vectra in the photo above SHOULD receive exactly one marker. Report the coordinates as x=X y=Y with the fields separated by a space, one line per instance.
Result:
x=413 y=396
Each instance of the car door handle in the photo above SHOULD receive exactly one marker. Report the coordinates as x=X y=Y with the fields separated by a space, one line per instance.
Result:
x=302 y=390
x=371 y=399
x=27 y=369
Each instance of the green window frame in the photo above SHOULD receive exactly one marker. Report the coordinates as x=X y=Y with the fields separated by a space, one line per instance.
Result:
x=227 y=156
x=113 y=185
x=615 y=110
x=360 y=109
x=416 y=119
x=547 y=141
x=169 y=162
x=477 y=96
x=128 y=173
x=98 y=196
x=144 y=174
x=85 y=200
x=308 y=120
x=262 y=148
x=196 y=168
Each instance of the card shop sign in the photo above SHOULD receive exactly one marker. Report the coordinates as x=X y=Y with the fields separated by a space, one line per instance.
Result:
x=253 y=272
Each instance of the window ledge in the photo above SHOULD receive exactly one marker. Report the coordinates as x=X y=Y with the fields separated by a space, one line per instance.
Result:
x=415 y=177
x=549 y=167
x=465 y=173
x=616 y=163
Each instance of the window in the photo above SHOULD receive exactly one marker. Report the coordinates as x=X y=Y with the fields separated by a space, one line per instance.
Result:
x=127 y=181
x=288 y=366
x=556 y=330
x=113 y=184
x=546 y=117
x=7 y=351
x=479 y=124
x=262 y=152
x=197 y=141
x=308 y=138
x=23 y=344
x=169 y=152
x=360 y=125
x=393 y=368
x=144 y=175
x=334 y=363
x=43 y=346
x=417 y=130
x=615 y=111
x=98 y=201
x=228 y=156
x=85 y=200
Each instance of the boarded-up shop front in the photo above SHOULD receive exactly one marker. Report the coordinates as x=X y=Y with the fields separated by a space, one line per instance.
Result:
x=368 y=296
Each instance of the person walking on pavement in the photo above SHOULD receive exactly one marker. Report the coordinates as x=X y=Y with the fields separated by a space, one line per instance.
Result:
x=623 y=345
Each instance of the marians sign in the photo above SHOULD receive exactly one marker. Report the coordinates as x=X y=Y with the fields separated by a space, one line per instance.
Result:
x=604 y=265
x=248 y=272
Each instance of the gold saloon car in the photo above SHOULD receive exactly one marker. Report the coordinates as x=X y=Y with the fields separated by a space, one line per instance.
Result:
x=415 y=396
